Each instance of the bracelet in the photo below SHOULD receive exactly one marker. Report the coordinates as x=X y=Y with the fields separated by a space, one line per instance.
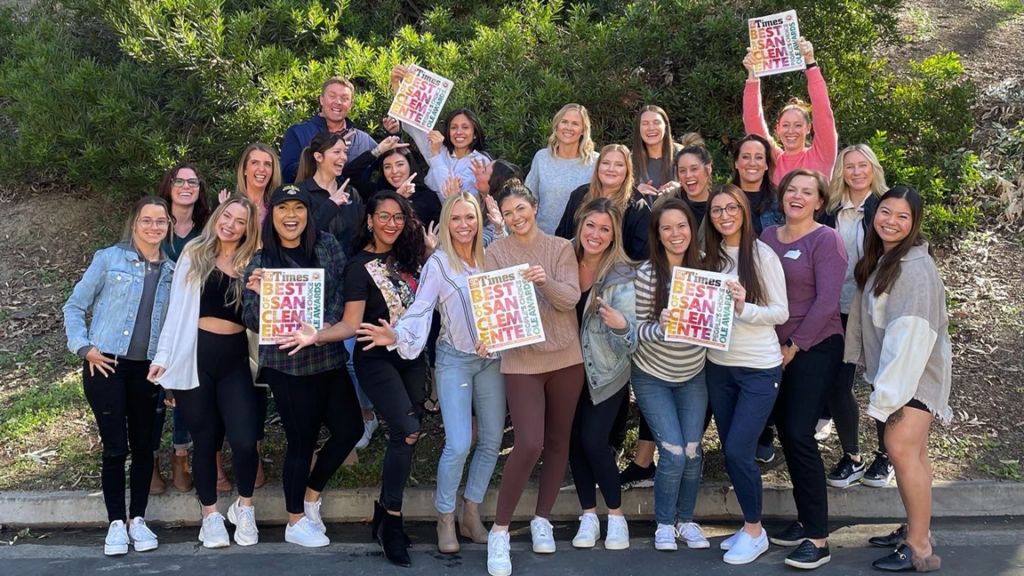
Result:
x=376 y=153
x=812 y=65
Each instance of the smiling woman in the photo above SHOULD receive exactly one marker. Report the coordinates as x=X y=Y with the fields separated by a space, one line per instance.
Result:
x=336 y=208
x=184 y=189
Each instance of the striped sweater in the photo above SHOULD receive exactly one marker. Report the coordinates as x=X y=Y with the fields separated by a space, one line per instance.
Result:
x=669 y=361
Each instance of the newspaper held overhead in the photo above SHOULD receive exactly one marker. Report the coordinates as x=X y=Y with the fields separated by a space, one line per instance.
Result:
x=420 y=98
x=700 y=308
x=505 y=310
x=775 y=44
x=288 y=297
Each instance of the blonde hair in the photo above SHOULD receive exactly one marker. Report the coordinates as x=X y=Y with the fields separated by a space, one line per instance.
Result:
x=623 y=195
x=204 y=249
x=586 y=144
x=840 y=190
x=445 y=235
x=798 y=104
x=275 y=178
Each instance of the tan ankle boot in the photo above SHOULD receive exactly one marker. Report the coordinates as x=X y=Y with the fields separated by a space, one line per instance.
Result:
x=181 y=477
x=470 y=525
x=447 y=541
x=157 y=485
x=223 y=484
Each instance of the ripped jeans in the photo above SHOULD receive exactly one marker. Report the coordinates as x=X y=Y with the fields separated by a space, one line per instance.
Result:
x=675 y=413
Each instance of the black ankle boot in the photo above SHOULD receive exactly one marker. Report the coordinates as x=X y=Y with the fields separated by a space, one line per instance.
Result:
x=379 y=512
x=392 y=540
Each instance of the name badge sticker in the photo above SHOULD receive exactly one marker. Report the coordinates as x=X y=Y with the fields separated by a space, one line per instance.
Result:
x=793 y=255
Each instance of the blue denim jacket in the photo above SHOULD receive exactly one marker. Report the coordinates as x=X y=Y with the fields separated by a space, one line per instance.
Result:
x=606 y=354
x=111 y=289
x=773 y=216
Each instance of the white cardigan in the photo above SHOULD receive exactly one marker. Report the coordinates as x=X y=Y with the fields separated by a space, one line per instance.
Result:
x=176 y=350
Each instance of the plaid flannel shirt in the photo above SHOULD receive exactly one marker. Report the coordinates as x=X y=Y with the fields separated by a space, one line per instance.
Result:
x=313 y=359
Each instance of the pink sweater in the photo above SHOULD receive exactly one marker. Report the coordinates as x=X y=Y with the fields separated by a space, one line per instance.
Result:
x=821 y=156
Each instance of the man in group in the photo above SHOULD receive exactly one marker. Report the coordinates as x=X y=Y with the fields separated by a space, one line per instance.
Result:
x=335 y=103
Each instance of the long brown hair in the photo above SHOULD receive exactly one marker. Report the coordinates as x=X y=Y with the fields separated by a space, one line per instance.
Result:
x=275 y=178
x=714 y=254
x=129 y=226
x=320 y=143
x=614 y=253
x=875 y=256
x=640 y=156
x=768 y=190
x=660 y=268
x=201 y=209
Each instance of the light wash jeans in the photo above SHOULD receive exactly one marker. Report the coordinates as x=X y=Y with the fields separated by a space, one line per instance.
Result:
x=675 y=412
x=364 y=402
x=467 y=383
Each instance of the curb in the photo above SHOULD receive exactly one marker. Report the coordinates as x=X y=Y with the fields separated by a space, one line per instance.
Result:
x=716 y=501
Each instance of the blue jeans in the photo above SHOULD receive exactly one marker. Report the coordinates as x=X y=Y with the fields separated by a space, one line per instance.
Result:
x=364 y=402
x=468 y=383
x=180 y=439
x=741 y=400
x=675 y=413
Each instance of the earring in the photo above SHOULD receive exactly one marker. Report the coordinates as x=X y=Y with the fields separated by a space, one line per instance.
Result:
x=369 y=228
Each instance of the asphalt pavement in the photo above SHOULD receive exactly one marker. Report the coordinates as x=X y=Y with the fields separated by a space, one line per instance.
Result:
x=982 y=547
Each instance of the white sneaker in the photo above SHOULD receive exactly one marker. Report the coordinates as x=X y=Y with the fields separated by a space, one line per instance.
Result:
x=116 y=542
x=369 y=427
x=728 y=542
x=823 y=429
x=499 y=560
x=213 y=534
x=692 y=534
x=543 y=535
x=142 y=537
x=589 y=532
x=312 y=511
x=617 y=537
x=665 y=537
x=746 y=548
x=304 y=533
x=244 y=519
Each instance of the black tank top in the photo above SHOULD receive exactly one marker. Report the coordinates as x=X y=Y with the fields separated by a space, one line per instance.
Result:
x=214 y=296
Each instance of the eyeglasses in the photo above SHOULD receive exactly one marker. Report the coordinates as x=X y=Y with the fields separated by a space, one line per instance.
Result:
x=384 y=218
x=730 y=209
x=159 y=222
x=180 y=182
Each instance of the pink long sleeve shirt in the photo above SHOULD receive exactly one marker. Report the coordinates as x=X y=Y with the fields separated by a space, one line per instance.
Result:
x=821 y=156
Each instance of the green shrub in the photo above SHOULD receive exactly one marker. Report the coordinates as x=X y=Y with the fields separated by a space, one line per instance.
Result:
x=199 y=79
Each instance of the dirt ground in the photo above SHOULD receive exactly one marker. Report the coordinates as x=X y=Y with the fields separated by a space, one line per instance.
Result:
x=48 y=235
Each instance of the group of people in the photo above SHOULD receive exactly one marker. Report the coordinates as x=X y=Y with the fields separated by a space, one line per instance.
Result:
x=831 y=271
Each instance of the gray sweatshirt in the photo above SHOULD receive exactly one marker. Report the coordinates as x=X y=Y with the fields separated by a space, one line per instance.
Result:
x=552 y=180
x=902 y=339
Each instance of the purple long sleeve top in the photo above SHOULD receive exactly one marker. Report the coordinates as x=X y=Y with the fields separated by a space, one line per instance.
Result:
x=815 y=267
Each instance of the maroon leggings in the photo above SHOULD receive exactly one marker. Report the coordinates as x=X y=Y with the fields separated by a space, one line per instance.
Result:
x=542 y=408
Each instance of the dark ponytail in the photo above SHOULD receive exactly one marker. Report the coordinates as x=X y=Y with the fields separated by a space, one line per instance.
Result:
x=307 y=162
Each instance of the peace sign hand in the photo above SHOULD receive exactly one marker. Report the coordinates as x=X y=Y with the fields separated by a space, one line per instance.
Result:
x=479 y=168
x=407 y=189
x=390 y=143
x=612 y=317
x=453 y=185
x=340 y=196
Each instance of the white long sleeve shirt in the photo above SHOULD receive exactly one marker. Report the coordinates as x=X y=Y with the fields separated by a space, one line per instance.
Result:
x=754 y=343
x=444 y=164
x=440 y=287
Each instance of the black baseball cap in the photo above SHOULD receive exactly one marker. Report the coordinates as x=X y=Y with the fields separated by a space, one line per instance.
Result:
x=286 y=192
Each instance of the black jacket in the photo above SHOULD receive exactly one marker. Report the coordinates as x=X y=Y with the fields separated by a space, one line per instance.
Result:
x=340 y=221
x=634 y=225
x=368 y=178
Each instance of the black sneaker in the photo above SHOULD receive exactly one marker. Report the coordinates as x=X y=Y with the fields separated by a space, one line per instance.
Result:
x=890 y=540
x=880 y=473
x=808 y=556
x=846 y=472
x=635 y=476
x=791 y=536
x=764 y=454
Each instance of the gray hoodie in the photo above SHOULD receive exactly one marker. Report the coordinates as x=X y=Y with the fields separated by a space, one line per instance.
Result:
x=902 y=339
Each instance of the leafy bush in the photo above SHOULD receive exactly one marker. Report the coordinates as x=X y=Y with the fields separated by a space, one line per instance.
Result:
x=201 y=78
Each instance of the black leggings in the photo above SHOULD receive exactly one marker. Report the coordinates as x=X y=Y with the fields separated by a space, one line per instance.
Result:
x=805 y=383
x=304 y=403
x=124 y=404
x=843 y=406
x=397 y=388
x=617 y=435
x=223 y=404
x=591 y=456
